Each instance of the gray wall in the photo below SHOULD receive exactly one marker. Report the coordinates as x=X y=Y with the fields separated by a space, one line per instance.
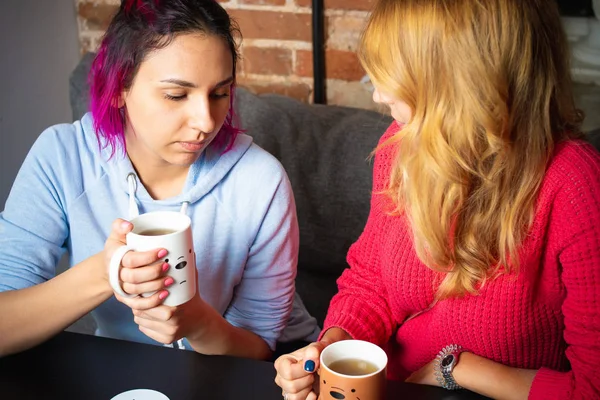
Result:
x=38 y=50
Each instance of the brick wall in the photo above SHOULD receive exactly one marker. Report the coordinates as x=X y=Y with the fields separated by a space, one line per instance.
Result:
x=277 y=48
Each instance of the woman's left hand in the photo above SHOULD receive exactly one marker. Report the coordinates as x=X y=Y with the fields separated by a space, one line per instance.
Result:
x=204 y=327
x=424 y=376
x=167 y=324
x=482 y=376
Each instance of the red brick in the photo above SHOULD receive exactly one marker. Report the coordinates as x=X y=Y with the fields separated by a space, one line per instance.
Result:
x=363 y=5
x=343 y=65
x=273 y=25
x=98 y=16
x=299 y=91
x=264 y=2
x=267 y=61
x=304 y=61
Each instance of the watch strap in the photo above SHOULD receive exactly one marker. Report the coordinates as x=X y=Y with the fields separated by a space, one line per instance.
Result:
x=444 y=364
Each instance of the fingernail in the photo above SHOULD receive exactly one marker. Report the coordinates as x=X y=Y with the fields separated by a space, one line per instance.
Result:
x=162 y=253
x=125 y=225
x=169 y=281
x=165 y=267
x=309 y=366
x=163 y=294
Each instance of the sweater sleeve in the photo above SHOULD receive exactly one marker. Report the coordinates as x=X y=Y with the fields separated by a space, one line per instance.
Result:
x=33 y=225
x=361 y=306
x=579 y=203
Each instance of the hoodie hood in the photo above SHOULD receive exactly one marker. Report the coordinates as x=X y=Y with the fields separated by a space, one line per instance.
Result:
x=204 y=174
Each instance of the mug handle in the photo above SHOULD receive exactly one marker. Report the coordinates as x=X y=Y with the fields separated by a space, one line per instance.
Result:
x=113 y=271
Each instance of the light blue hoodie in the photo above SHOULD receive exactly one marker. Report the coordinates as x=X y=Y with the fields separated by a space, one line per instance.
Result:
x=69 y=191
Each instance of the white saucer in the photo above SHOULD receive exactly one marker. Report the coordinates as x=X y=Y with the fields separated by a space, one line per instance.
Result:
x=140 y=394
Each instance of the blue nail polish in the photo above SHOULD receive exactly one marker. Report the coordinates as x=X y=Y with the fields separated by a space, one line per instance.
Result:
x=309 y=366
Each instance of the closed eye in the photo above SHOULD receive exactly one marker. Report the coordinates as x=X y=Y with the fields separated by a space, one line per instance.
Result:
x=175 y=98
x=222 y=93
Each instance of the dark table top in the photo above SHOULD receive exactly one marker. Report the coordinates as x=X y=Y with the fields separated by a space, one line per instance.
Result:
x=84 y=367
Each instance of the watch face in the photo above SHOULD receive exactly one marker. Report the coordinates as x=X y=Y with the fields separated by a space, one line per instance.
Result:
x=447 y=361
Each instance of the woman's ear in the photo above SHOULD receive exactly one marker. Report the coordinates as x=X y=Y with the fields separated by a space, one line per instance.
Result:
x=119 y=101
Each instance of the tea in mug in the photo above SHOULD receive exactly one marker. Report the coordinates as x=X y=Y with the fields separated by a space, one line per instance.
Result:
x=157 y=232
x=353 y=366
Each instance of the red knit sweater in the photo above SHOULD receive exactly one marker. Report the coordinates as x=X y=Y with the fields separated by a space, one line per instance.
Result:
x=546 y=317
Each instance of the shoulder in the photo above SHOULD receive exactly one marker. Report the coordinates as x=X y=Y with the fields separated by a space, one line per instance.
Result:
x=55 y=137
x=575 y=164
x=571 y=188
x=260 y=163
x=62 y=155
x=258 y=182
x=52 y=150
x=66 y=140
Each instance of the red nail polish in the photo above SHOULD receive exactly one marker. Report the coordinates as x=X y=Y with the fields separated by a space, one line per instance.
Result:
x=163 y=294
x=165 y=267
x=169 y=281
x=162 y=253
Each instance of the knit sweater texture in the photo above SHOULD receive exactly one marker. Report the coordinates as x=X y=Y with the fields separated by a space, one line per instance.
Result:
x=546 y=316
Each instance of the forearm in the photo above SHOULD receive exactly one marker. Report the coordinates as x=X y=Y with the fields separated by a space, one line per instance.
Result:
x=219 y=337
x=33 y=315
x=492 y=379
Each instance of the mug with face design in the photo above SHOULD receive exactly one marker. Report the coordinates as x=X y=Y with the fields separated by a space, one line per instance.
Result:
x=162 y=229
x=352 y=370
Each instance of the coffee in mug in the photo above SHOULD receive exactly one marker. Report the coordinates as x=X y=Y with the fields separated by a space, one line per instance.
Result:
x=162 y=229
x=353 y=366
x=352 y=369
x=157 y=232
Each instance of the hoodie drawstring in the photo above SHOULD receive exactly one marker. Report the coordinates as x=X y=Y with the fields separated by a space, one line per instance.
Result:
x=134 y=211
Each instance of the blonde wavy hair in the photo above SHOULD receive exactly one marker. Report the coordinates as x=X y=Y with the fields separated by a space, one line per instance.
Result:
x=489 y=87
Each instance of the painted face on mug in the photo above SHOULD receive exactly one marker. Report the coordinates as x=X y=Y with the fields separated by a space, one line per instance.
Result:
x=400 y=111
x=339 y=391
x=178 y=100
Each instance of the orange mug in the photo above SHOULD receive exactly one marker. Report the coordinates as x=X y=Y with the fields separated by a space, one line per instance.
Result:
x=351 y=370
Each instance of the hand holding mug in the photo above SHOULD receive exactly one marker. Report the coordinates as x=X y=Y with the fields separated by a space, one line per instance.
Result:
x=167 y=324
x=347 y=369
x=296 y=372
x=141 y=272
x=158 y=253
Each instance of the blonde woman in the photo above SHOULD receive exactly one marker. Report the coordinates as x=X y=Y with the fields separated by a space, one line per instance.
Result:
x=479 y=266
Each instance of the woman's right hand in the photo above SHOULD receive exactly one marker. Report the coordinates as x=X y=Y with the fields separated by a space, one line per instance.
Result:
x=296 y=372
x=140 y=272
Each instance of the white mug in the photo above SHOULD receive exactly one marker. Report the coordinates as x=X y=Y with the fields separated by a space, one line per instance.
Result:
x=161 y=229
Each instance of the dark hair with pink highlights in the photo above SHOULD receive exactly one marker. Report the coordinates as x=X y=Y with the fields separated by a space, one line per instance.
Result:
x=138 y=28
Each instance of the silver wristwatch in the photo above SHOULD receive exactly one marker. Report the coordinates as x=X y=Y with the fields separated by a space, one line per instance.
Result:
x=444 y=364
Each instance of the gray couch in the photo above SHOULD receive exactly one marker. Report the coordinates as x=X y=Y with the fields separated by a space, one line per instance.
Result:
x=324 y=150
